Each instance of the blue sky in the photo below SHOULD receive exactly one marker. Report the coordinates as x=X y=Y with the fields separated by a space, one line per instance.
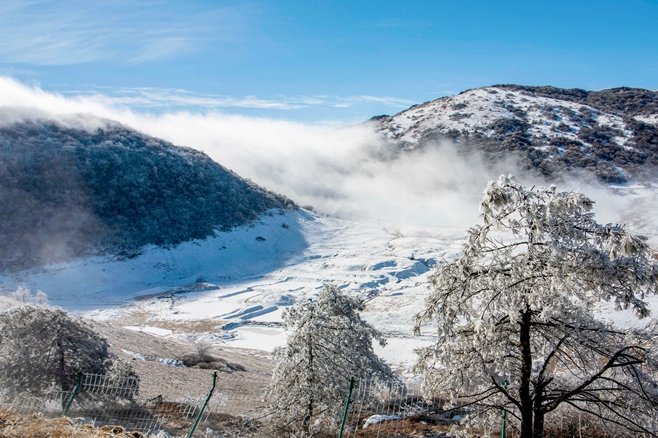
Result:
x=314 y=61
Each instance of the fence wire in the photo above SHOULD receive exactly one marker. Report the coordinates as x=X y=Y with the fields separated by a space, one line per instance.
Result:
x=398 y=409
x=151 y=406
x=377 y=409
x=404 y=409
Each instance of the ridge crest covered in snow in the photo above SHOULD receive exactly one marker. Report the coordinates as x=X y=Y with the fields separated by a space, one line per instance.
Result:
x=611 y=133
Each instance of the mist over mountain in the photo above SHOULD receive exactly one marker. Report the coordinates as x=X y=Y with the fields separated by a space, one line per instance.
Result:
x=610 y=133
x=83 y=185
x=75 y=185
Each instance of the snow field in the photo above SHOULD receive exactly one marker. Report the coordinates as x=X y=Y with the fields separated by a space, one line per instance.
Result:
x=103 y=282
x=476 y=109
x=244 y=283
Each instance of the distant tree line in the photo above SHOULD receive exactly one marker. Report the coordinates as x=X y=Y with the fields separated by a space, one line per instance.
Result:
x=622 y=101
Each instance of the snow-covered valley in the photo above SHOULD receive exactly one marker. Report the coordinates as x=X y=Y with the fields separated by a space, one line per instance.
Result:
x=242 y=280
x=398 y=194
x=232 y=288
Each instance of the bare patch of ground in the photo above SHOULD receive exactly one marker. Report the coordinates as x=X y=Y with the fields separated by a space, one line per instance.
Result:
x=243 y=372
x=404 y=428
x=13 y=425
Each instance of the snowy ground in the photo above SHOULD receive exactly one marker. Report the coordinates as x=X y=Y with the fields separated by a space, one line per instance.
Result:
x=479 y=108
x=246 y=278
x=243 y=280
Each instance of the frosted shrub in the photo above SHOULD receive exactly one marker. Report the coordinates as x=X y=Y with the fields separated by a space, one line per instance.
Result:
x=23 y=295
x=327 y=343
x=42 y=349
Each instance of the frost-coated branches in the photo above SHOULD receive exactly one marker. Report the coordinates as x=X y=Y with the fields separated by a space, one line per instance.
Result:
x=42 y=349
x=517 y=305
x=327 y=344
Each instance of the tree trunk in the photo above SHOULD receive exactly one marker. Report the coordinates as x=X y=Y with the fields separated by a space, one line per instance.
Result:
x=61 y=370
x=539 y=413
x=310 y=381
x=63 y=381
x=525 y=397
x=538 y=426
x=307 y=419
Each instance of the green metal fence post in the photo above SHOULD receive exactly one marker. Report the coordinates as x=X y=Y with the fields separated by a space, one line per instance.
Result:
x=78 y=384
x=503 y=427
x=347 y=406
x=203 y=408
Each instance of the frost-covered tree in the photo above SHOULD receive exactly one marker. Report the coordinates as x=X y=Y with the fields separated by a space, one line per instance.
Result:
x=327 y=343
x=43 y=349
x=22 y=294
x=518 y=326
x=40 y=297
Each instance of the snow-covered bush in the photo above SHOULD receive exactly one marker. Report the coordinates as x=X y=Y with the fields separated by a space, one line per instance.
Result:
x=517 y=328
x=43 y=349
x=23 y=295
x=327 y=343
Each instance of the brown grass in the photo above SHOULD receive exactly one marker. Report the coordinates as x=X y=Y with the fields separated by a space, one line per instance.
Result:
x=571 y=425
x=403 y=428
x=13 y=425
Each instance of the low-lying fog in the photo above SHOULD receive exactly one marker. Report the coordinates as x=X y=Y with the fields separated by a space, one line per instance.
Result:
x=339 y=170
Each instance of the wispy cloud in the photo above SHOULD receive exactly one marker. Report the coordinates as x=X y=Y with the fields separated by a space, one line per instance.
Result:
x=177 y=98
x=397 y=23
x=64 y=32
x=384 y=100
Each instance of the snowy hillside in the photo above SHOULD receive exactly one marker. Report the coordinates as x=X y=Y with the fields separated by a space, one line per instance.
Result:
x=235 y=285
x=78 y=185
x=611 y=133
x=242 y=280
x=203 y=253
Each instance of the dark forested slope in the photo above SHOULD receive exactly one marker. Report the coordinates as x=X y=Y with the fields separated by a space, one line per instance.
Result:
x=611 y=134
x=67 y=191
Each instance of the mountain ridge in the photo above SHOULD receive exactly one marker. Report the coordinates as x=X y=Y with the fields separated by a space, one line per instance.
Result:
x=70 y=189
x=610 y=133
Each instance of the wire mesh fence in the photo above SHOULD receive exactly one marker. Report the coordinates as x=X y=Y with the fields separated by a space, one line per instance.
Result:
x=49 y=404
x=234 y=407
x=405 y=409
x=398 y=409
x=150 y=406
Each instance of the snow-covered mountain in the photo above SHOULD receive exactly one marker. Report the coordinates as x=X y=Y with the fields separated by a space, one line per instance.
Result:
x=232 y=283
x=611 y=133
x=76 y=185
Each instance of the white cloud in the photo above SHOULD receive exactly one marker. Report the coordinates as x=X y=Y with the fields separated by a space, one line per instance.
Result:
x=64 y=32
x=162 y=47
x=345 y=171
x=170 y=98
x=183 y=99
x=385 y=100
